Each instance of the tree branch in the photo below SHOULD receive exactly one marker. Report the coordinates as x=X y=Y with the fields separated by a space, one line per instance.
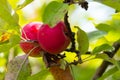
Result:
x=105 y=64
x=70 y=33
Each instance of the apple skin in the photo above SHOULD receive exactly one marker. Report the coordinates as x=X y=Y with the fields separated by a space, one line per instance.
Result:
x=31 y=47
x=29 y=35
x=30 y=30
x=53 y=40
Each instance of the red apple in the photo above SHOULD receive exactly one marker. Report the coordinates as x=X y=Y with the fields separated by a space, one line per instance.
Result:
x=31 y=47
x=30 y=30
x=29 y=42
x=53 y=40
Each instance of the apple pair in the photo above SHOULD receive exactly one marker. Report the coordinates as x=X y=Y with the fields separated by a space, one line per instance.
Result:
x=38 y=38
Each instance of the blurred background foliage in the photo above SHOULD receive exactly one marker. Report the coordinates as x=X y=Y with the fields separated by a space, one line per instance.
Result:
x=101 y=22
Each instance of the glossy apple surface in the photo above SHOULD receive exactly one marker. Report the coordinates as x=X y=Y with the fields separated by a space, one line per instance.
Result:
x=31 y=47
x=30 y=30
x=53 y=40
x=29 y=44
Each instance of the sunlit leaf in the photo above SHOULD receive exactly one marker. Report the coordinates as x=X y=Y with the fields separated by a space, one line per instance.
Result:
x=80 y=73
x=103 y=47
x=3 y=61
x=104 y=27
x=6 y=13
x=112 y=3
x=18 y=69
x=116 y=75
x=5 y=47
x=13 y=3
x=14 y=40
x=23 y=4
x=105 y=57
x=2 y=25
x=116 y=16
x=42 y=75
x=113 y=35
x=83 y=42
x=7 y=41
x=95 y=35
x=53 y=12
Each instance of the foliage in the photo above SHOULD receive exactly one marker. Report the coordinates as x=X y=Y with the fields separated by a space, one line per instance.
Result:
x=96 y=43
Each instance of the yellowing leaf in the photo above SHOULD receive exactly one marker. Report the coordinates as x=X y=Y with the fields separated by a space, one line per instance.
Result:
x=4 y=37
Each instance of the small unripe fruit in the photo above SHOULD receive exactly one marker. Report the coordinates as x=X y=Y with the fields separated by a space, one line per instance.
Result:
x=53 y=40
x=29 y=44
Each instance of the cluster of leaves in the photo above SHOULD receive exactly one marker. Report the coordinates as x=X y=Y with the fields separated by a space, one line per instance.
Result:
x=100 y=40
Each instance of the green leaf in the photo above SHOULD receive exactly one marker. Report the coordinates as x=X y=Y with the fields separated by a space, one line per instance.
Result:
x=82 y=39
x=116 y=75
x=108 y=73
x=117 y=64
x=54 y=12
x=102 y=56
x=14 y=40
x=8 y=42
x=106 y=58
x=5 y=47
x=113 y=35
x=103 y=47
x=112 y=3
x=74 y=70
x=7 y=14
x=23 y=4
x=18 y=68
x=2 y=25
x=95 y=35
x=42 y=75
x=2 y=76
x=82 y=73
x=104 y=27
